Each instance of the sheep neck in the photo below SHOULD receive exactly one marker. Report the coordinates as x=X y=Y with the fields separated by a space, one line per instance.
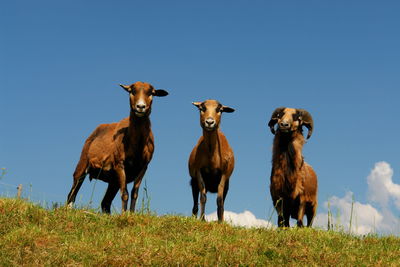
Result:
x=211 y=141
x=139 y=129
x=287 y=152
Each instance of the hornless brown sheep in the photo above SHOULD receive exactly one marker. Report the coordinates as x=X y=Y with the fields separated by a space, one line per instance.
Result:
x=211 y=162
x=293 y=182
x=118 y=153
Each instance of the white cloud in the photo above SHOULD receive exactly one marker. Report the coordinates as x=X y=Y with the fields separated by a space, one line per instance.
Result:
x=381 y=187
x=365 y=217
x=245 y=219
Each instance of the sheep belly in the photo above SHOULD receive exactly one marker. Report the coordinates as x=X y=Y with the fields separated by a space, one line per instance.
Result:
x=99 y=174
x=211 y=178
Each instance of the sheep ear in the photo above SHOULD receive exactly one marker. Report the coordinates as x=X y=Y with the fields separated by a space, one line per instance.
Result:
x=197 y=104
x=160 y=92
x=227 y=109
x=126 y=87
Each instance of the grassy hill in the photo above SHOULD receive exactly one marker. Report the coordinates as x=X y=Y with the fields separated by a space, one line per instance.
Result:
x=31 y=236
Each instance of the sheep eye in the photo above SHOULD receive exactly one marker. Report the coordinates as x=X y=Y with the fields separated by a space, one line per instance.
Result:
x=297 y=116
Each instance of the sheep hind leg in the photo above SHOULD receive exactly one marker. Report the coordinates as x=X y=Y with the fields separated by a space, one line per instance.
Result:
x=79 y=175
x=112 y=190
x=226 y=189
x=203 y=196
x=78 y=180
x=195 y=194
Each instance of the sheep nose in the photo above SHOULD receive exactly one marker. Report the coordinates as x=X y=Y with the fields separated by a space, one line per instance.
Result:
x=284 y=124
x=210 y=122
x=140 y=106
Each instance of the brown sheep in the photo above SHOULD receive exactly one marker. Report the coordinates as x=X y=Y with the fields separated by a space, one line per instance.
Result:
x=118 y=153
x=293 y=182
x=211 y=162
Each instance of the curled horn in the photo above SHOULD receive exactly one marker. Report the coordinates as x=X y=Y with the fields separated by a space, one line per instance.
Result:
x=274 y=119
x=307 y=121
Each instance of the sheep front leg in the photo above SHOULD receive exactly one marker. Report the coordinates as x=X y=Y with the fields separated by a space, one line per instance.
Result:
x=203 y=197
x=300 y=214
x=283 y=210
x=287 y=207
x=122 y=187
x=278 y=204
x=135 y=189
x=221 y=198
x=195 y=194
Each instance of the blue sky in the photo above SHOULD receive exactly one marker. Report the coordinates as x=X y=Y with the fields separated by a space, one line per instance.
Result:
x=61 y=63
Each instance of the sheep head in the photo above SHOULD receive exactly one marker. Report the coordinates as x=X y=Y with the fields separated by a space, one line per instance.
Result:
x=210 y=113
x=141 y=97
x=290 y=120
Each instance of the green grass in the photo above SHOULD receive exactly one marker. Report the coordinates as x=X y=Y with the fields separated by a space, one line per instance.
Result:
x=31 y=236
